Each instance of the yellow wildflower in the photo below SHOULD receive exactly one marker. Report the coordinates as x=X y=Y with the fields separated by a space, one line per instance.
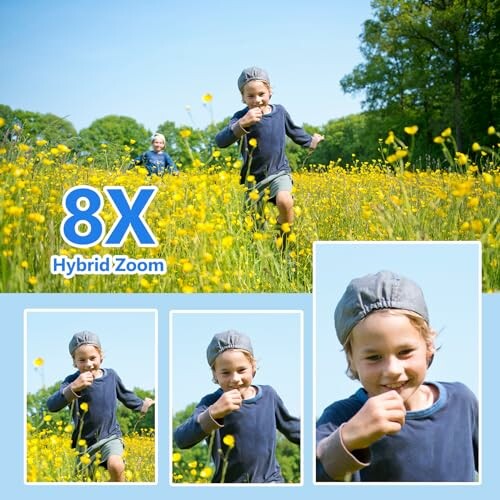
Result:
x=254 y=195
x=477 y=226
x=187 y=267
x=411 y=130
x=206 y=472
x=491 y=130
x=252 y=142
x=446 y=132
x=36 y=217
x=227 y=241
x=285 y=227
x=462 y=158
x=84 y=406
x=229 y=440
x=185 y=133
x=390 y=138
x=473 y=202
x=488 y=178
x=207 y=98
x=145 y=283
x=38 y=362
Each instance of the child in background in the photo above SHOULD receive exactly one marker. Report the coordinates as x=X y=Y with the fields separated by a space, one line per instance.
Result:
x=397 y=427
x=92 y=392
x=247 y=415
x=261 y=129
x=156 y=160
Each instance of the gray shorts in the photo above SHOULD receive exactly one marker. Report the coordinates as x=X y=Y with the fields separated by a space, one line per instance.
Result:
x=270 y=186
x=106 y=447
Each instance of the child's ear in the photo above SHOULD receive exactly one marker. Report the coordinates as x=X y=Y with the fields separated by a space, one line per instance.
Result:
x=430 y=356
x=431 y=350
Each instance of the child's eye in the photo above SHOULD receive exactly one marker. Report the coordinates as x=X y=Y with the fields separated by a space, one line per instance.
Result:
x=406 y=352
x=374 y=357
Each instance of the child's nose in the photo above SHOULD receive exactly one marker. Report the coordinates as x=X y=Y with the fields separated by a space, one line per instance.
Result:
x=393 y=366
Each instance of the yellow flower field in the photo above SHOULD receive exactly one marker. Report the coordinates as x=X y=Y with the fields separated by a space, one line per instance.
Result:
x=211 y=245
x=49 y=457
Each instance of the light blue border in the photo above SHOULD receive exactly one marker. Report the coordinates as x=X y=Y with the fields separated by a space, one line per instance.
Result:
x=11 y=310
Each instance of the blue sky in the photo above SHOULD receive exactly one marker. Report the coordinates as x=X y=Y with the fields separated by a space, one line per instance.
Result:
x=127 y=337
x=449 y=275
x=148 y=60
x=277 y=344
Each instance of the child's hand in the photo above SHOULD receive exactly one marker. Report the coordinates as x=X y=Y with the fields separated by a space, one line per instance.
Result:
x=147 y=403
x=380 y=415
x=84 y=380
x=316 y=139
x=252 y=116
x=230 y=401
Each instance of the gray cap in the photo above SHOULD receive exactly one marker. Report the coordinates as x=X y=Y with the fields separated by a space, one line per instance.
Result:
x=82 y=338
x=253 y=73
x=227 y=340
x=384 y=290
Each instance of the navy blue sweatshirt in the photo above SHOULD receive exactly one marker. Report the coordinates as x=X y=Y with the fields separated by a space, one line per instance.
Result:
x=157 y=163
x=268 y=157
x=99 y=422
x=253 y=426
x=437 y=444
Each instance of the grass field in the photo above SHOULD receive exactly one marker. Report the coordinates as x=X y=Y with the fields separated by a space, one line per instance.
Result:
x=211 y=245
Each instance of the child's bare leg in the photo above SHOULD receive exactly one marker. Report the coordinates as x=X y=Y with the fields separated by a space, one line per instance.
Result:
x=116 y=468
x=284 y=202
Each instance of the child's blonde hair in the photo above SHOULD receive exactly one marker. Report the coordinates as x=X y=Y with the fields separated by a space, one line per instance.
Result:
x=157 y=135
x=417 y=321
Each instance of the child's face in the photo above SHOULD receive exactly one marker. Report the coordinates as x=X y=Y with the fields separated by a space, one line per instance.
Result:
x=87 y=358
x=256 y=94
x=158 y=144
x=389 y=353
x=233 y=370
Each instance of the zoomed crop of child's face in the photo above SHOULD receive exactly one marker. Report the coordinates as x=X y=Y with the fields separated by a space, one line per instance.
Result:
x=158 y=144
x=233 y=370
x=389 y=354
x=256 y=94
x=87 y=358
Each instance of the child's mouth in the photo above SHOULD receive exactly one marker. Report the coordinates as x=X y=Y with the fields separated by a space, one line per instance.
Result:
x=396 y=387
